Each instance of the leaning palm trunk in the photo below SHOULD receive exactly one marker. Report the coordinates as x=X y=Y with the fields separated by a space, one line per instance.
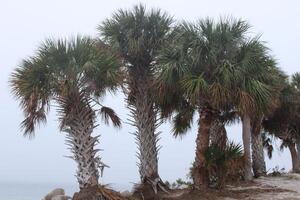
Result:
x=145 y=120
x=200 y=173
x=258 y=159
x=246 y=123
x=218 y=134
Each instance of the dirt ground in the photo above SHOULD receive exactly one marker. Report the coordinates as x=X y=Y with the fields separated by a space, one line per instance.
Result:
x=285 y=187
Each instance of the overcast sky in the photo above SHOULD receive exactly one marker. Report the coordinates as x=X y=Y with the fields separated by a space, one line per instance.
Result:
x=25 y=23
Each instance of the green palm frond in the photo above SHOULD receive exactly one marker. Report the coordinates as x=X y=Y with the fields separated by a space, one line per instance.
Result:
x=296 y=81
x=183 y=119
x=63 y=70
x=31 y=83
x=195 y=86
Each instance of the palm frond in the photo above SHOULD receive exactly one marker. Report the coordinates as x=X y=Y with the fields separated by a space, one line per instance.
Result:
x=109 y=114
x=31 y=83
x=183 y=119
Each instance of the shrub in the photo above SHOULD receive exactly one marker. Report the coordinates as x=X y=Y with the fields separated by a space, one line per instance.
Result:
x=224 y=165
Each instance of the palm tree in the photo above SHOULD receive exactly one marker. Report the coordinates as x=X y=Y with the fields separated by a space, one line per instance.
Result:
x=296 y=85
x=138 y=36
x=215 y=64
x=284 y=121
x=71 y=76
x=201 y=60
x=255 y=91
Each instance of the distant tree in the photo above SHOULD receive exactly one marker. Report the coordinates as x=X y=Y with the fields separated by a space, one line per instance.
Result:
x=71 y=76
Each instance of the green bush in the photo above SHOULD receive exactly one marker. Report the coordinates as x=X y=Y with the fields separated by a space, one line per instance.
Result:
x=224 y=165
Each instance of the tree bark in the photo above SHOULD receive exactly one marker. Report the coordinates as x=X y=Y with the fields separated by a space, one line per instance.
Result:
x=294 y=156
x=79 y=127
x=218 y=134
x=200 y=173
x=258 y=159
x=145 y=120
x=298 y=155
x=246 y=123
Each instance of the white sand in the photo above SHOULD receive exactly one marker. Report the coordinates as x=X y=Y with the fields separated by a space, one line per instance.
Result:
x=273 y=187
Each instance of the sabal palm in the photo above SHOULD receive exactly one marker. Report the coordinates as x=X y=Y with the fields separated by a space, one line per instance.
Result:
x=296 y=85
x=284 y=120
x=138 y=35
x=256 y=92
x=212 y=62
x=200 y=60
x=71 y=76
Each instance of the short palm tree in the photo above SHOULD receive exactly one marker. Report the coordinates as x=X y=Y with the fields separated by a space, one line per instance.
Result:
x=201 y=59
x=71 y=76
x=138 y=36
x=215 y=64
x=296 y=85
x=284 y=121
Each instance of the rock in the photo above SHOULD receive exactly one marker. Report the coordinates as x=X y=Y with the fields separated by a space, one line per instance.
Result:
x=53 y=193
x=61 y=197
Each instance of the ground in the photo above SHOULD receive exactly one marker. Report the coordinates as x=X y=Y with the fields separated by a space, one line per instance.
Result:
x=284 y=187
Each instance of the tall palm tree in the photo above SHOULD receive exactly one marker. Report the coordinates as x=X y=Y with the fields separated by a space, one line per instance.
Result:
x=138 y=36
x=259 y=84
x=71 y=76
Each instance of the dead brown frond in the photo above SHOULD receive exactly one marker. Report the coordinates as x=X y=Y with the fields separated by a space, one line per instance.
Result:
x=109 y=114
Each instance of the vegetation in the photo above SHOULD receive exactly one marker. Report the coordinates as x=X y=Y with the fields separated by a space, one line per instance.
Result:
x=214 y=69
x=220 y=70
x=224 y=164
x=70 y=76
x=284 y=121
x=138 y=35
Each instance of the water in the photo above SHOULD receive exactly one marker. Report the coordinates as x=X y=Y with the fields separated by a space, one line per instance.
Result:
x=31 y=191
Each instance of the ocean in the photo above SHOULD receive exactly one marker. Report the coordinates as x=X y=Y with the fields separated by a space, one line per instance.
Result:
x=31 y=191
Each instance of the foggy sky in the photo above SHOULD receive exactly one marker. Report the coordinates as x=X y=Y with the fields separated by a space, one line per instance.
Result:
x=25 y=23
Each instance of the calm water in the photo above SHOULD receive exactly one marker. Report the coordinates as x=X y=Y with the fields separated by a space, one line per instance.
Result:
x=27 y=191
x=30 y=191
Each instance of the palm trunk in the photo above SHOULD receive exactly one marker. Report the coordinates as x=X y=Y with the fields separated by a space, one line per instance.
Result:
x=218 y=134
x=200 y=173
x=258 y=165
x=79 y=128
x=298 y=154
x=295 y=161
x=144 y=119
x=247 y=143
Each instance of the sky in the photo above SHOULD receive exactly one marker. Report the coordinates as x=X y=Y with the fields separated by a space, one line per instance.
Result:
x=24 y=24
